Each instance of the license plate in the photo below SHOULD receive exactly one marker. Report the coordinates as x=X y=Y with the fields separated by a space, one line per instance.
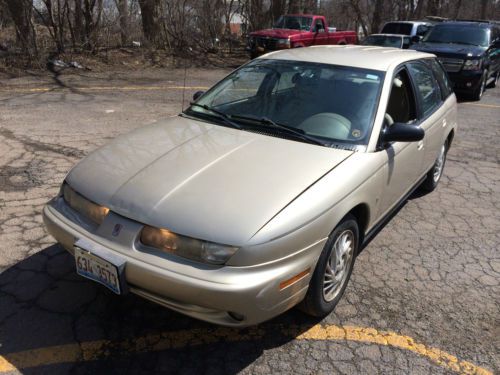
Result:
x=90 y=263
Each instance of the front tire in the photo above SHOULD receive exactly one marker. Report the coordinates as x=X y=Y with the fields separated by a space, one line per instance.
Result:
x=436 y=172
x=477 y=94
x=333 y=270
x=494 y=83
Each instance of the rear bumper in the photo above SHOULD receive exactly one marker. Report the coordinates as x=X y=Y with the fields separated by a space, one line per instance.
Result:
x=230 y=296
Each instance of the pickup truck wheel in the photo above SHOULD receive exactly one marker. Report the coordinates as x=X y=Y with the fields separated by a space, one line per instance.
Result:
x=494 y=83
x=434 y=175
x=333 y=270
x=478 y=93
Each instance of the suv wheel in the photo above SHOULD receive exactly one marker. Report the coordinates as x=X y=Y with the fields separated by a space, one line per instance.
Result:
x=333 y=269
x=494 y=83
x=478 y=93
x=434 y=175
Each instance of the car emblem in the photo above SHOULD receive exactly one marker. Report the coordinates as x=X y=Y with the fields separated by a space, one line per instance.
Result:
x=116 y=230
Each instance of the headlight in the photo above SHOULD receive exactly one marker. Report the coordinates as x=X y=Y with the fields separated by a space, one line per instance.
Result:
x=283 y=42
x=186 y=247
x=82 y=205
x=472 y=65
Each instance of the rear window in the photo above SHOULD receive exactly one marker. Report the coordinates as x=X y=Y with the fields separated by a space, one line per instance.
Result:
x=397 y=28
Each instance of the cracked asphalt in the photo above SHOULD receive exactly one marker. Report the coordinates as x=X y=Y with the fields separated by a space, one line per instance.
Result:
x=424 y=297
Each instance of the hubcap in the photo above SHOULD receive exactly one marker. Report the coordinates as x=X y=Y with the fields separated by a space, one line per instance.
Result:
x=338 y=265
x=438 y=167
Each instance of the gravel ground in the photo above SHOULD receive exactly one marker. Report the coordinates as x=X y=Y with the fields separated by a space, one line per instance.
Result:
x=430 y=278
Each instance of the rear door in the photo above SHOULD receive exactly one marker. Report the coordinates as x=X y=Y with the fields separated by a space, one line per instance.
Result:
x=432 y=112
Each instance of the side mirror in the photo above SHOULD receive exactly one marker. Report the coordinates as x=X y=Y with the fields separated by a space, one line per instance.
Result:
x=496 y=43
x=400 y=132
x=416 y=38
x=197 y=94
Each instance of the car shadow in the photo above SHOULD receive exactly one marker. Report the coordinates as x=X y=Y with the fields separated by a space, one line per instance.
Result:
x=49 y=314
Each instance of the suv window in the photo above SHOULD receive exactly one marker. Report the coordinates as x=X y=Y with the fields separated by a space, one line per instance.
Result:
x=401 y=106
x=459 y=34
x=422 y=29
x=442 y=78
x=426 y=86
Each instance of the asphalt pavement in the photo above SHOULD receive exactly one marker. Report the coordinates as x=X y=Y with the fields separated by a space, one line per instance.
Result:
x=424 y=297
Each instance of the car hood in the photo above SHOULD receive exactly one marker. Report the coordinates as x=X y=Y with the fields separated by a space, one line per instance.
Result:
x=201 y=180
x=276 y=33
x=450 y=49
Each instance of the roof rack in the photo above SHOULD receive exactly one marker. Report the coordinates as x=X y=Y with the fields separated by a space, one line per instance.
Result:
x=475 y=20
x=436 y=18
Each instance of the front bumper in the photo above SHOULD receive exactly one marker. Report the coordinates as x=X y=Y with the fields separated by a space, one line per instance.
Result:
x=465 y=81
x=231 y=296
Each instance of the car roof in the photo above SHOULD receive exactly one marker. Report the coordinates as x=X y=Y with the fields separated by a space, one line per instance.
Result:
x=367 y=57
x=411 y=22
x=387 y=34
x=484 y=25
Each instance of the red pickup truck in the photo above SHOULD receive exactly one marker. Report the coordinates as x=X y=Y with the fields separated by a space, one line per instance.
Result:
x=297 y=30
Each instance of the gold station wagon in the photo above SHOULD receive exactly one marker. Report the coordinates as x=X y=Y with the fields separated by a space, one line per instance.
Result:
x=260 y=195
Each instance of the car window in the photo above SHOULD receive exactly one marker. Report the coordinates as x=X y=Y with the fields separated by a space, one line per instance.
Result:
x=426 y=86
x=243 y=85
x=442 y=78
x=401 y=106
x=406 y=42
x=318 y=25
x=333 y=103
x=397 y=28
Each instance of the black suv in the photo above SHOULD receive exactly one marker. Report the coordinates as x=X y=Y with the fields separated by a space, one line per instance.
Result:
x=469 y=51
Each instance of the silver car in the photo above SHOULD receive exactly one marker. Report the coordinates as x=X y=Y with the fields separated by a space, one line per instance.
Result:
x=260 y=195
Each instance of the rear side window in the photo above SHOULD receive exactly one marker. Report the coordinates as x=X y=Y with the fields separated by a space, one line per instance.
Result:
x=442 y=78
x=426 y=86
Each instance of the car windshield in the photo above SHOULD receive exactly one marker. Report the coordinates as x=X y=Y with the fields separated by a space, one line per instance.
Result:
x=397 y=28
x=330 y=103
x=293 y=22
x=383 y=40
x=459 y=34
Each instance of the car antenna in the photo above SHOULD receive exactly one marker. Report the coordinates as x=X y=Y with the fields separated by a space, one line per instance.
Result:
x=184 y=84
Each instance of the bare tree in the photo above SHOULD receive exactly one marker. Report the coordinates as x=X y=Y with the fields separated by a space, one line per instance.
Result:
x=21 y=12
x=122 y=6
x=151 y=20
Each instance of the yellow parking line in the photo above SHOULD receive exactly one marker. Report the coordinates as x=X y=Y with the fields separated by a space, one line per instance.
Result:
x=103 y=88
x=100 y=349
x=483 y=105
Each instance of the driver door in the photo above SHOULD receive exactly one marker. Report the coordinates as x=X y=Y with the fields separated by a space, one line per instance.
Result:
x=403 y=159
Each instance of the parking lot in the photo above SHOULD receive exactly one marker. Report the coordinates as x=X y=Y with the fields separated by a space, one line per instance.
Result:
x=424 y=296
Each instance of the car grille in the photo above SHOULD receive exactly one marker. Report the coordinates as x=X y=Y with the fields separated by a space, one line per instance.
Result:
x=451 y=65
x=265 y=42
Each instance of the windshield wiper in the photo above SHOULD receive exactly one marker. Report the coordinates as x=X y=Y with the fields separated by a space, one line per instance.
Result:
x=288 y=129
x=219 y=114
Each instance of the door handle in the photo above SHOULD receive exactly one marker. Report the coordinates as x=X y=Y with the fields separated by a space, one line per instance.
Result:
x=420 y=145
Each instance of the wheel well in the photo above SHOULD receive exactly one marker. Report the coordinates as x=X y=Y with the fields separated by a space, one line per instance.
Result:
x=449 y=139
x=362 y=214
